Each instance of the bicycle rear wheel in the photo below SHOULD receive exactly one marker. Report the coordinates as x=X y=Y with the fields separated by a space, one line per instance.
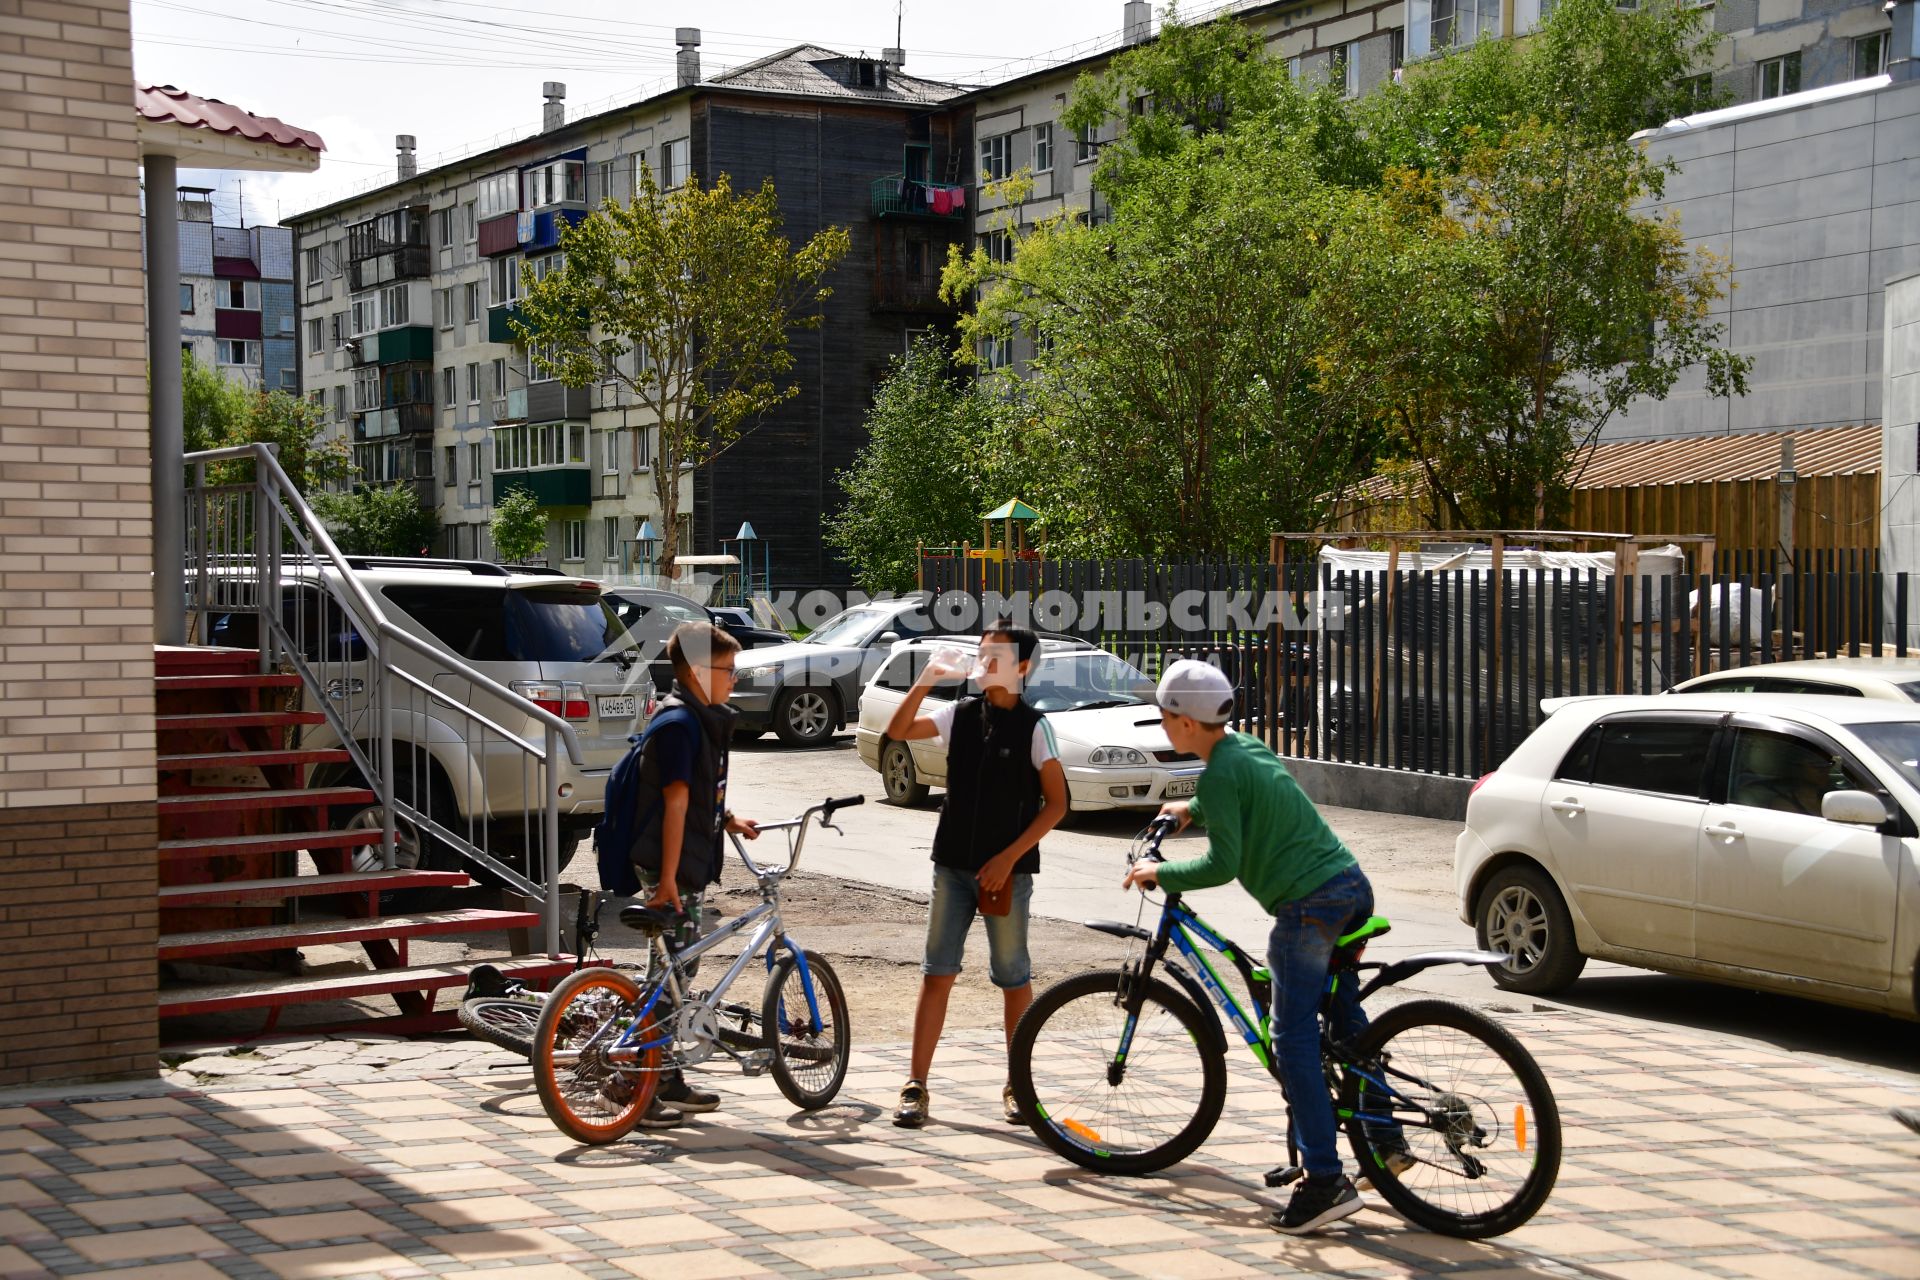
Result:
x=809 y=1060
x=507 y=1021
x=1134 y=1115
x=589 y=1098
x=1463 y=1098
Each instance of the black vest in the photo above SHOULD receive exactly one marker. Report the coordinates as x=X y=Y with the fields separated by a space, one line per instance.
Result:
x=993 y=790
x=703 y=843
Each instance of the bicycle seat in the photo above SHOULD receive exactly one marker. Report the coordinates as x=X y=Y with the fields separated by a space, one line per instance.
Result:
x=650 y=920
x=1373 y=928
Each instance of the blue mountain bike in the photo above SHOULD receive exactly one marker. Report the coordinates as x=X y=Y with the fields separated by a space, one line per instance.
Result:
x=1123 y=1071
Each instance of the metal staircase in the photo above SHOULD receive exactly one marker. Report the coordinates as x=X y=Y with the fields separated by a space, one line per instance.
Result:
x=252 y=869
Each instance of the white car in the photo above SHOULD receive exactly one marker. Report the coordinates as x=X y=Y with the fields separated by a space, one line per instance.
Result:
x=1764 y=840
x=1894 y=679
x=1105 y=725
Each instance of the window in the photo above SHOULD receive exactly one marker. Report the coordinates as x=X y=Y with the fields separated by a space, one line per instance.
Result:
x=1870 y=55
x=1665 y=757
x=642 y=448
x=315 y=337
x=556 y=182
x=576 y=541
x=450 y=455
x=1435 y=25
x=610 y=452
x=674 y=157
x=605 y=174
x=1397 y=50
x=366 y=389
x=310 y=265
x=236 y=351
x=239 y=295
x=610 y=538
x=186 y=299
x=996 y=353
x=472 y=219
x=470 y=304
x=443 y=234
x=339 y=404
x=366 y=314
x=449 y=386
x=1346 y=68
x=1043 y=148
x=393 y=306
x=996 y=156
x=999 y=246
x=1698 y=90
x=473 y=384
x=1086 y=144
x=1780 y=76
x=499 y=194
x=547 y=265
x=503 y=280
x=499 y=379
x=473 y=474
x=1785 y=773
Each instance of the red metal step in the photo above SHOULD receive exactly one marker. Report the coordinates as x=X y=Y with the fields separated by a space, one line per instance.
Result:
x=265 y=798
x=181 y=660
x=279 y=842
x=278 y=937
x=236 y=719
x=281 y=888
x=255 y=759
x=178 y=1002
x=172 y=684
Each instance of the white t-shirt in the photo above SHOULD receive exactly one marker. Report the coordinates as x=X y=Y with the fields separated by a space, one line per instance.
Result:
x=942 y=717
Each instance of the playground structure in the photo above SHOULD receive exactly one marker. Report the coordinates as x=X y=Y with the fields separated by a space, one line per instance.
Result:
x=1009 y=541
x=735 y=578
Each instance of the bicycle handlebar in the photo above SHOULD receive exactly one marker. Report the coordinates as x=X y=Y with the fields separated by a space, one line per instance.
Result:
x=824 y=811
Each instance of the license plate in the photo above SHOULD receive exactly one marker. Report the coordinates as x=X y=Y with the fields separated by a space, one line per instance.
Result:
x=1182 y=787
x=622 y=708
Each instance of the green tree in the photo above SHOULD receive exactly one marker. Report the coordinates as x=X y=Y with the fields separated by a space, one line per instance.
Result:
x=218 y=414
x=923 y=476
x=686 y=298
x=1176 y=399
x=519 y=527
x=378 y=521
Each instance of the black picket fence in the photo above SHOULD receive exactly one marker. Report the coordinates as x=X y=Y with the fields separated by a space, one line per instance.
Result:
x=1442 y=672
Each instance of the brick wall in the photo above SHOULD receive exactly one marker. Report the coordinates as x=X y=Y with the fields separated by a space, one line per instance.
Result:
x=76 y=617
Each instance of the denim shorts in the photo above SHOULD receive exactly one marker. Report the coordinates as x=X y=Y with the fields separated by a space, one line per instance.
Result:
x=956 y=900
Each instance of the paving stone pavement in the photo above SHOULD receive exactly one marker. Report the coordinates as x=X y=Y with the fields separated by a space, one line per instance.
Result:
x=1686 y=1157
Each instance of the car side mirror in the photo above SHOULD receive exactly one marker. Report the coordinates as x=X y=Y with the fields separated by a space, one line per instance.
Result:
x=1856 y=808
x=888 y=638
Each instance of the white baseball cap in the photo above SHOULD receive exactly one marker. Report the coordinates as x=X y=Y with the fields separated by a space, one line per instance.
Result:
x=1196 y=689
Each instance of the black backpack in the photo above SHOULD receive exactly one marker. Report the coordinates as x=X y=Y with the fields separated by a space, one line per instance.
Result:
x=620 y=825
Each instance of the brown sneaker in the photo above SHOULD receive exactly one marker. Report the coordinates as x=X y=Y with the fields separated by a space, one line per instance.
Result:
x=912 y=1111
x=1010 y=1105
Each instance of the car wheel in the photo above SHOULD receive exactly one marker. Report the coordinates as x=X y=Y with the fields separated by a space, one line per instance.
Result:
x=411 y=850
x=1521 y=913
x=804 y=716
x=897 y=775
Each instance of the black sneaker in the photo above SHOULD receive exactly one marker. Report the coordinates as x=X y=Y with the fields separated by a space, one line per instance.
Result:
x=912 y=1111
x=683 y=1097
x=661 y=1116
x=1316 y=1203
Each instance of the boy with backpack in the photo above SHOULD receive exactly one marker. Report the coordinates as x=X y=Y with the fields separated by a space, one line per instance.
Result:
x=664 y=835
x=1005 y=790
x=1264 y=832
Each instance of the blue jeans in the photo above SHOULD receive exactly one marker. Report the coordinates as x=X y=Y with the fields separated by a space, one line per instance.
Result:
x=956 y=900
x=1305 y=933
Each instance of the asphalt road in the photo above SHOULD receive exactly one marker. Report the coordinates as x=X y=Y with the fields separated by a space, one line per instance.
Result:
x=1409 y=860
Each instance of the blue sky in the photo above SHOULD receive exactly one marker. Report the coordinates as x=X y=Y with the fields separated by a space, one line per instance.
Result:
x=455 y=73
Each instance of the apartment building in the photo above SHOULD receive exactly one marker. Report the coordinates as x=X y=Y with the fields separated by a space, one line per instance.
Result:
x=236 y=296
x=407 y=295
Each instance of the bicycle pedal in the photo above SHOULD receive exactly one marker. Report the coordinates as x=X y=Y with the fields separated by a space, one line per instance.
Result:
x=1284 y=1175
x=757 y=1062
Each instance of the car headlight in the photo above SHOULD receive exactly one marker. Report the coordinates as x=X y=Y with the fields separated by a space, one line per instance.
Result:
x=1116 y=757
x=747 y=675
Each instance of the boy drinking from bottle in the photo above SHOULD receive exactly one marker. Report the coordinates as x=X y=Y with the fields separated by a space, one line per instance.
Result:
x=1005 y=790
x=1264 y=832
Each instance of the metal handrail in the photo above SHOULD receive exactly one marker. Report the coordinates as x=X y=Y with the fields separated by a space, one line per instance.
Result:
x=276 y=494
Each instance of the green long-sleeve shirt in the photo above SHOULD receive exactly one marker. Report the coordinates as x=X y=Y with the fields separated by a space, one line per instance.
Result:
x=1261 y=829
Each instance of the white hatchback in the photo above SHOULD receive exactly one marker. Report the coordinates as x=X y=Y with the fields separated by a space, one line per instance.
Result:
x=1765 y=840
x=1894 y=679
x=1105 y=726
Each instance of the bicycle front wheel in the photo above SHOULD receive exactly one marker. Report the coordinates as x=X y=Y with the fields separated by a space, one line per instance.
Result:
x=506 y=1021
x=1113 y=1114
x=588 y=1096
x=1452 y=1119
x=809 y=1040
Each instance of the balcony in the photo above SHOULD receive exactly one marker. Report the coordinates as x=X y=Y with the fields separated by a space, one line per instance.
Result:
x=552 y=401
x=564 y=486
x=391 y=346
x=908 y=290
x=500 y=235
x=390 y=247
x=500 y=323
x=547 y=224
x=511 y=408
x=398 y=420
x=897 y=196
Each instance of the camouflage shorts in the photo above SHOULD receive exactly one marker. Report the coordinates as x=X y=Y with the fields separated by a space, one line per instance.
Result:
x=693 y=902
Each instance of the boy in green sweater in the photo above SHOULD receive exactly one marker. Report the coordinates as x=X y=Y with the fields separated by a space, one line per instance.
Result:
x=1264 y=832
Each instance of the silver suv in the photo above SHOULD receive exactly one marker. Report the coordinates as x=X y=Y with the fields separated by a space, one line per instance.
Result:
x=550 y=639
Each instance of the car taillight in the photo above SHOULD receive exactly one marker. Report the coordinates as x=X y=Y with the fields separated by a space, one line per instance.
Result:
x=564 y=698
x=1479 y=782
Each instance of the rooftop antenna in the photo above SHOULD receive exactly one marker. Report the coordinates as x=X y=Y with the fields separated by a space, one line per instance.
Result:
x=240 y=186
x=899 y=20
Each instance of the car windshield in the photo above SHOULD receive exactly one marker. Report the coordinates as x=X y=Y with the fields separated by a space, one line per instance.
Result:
x=1911 y=689
x=485 y=624
x=1898 y=743
x=1080 y=681
x=853 y=627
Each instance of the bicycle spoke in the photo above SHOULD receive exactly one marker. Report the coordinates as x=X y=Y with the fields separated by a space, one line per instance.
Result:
x=1133 y=1107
